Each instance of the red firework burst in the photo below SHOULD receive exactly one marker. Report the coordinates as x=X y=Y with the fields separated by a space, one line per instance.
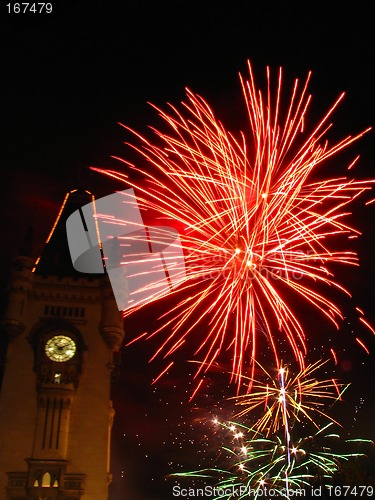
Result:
x=257 y=230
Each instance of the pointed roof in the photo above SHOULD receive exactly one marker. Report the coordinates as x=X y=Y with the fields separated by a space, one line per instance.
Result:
x=55 y=257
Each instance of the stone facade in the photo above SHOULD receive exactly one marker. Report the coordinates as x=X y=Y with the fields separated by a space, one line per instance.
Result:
x=56 y=416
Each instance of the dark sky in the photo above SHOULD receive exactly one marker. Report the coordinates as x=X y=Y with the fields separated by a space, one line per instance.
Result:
x=68 y=78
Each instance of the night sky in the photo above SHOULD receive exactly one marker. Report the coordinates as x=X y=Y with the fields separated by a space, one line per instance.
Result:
x=69 y=78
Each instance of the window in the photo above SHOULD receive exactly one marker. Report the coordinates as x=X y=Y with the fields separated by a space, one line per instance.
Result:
x=64 y=311
x=46 y=480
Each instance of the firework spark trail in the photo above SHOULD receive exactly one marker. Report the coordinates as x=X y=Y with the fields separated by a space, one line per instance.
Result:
x=252 y=463
x=286 y=397
x=268 y=451
x=283 y=402
x=254 y=224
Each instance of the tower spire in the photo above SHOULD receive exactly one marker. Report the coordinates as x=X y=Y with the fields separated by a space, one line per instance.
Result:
x=55 y=257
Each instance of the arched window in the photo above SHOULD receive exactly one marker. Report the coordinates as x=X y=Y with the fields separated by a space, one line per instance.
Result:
x=46 y=480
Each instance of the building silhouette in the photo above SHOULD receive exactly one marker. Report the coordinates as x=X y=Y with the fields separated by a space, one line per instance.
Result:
x=63 y=331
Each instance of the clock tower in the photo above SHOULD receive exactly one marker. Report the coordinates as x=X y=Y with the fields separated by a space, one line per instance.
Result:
x=63 y=332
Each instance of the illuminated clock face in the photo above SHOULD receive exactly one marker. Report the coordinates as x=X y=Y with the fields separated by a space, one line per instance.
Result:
x=60 y=348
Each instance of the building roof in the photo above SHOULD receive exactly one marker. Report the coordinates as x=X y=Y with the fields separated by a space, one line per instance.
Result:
x=55 y=258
